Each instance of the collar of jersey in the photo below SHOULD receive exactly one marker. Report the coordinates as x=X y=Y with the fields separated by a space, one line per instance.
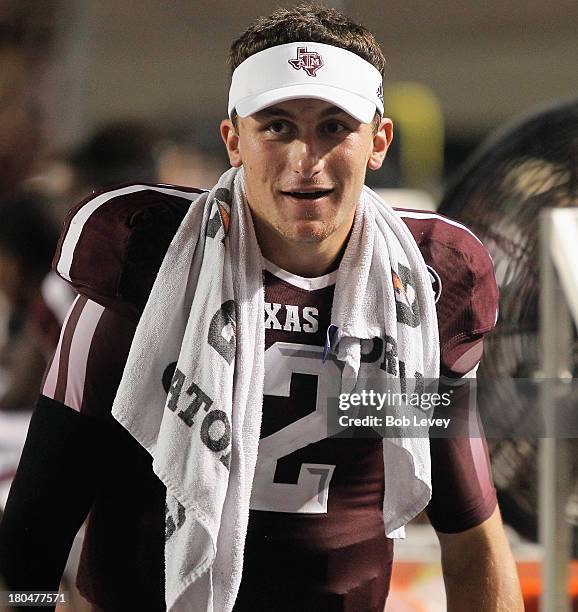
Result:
x=309 y=284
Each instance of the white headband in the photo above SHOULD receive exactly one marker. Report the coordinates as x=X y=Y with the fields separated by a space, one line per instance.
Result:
x=307 y=70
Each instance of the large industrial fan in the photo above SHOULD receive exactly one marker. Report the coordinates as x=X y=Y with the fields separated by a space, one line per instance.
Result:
x=499 y=194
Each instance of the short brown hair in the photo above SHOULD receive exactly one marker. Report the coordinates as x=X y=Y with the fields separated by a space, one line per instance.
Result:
x=308 y=22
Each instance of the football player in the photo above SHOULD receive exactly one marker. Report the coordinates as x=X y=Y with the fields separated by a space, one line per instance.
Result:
x=305 y=152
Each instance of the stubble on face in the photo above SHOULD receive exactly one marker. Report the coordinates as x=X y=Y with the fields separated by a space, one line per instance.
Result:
x=311 y=229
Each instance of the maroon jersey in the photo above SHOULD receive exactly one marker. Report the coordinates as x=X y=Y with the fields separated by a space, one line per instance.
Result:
x=315 y=538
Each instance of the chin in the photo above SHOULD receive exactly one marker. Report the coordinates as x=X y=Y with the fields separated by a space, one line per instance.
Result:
x=307 y=232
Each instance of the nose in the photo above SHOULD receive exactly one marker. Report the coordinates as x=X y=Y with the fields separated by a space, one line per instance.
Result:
x=306 y=157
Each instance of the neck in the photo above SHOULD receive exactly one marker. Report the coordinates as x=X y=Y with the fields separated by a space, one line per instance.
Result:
x=307 y=259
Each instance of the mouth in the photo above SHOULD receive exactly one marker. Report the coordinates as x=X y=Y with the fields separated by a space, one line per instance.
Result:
x=308 y=194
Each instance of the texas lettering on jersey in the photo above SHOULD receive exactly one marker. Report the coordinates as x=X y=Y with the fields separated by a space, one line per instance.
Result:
x=296 y=319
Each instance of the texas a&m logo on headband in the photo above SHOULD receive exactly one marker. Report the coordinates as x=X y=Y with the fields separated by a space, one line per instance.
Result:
x=310 y=61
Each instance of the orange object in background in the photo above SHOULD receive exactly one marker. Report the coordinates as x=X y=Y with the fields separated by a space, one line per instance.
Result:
x=531 y=579
x=418 y=587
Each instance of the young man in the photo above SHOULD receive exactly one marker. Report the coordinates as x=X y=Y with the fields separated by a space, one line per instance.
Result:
x=305 y=517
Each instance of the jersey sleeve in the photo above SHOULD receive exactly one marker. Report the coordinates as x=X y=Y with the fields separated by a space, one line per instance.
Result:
x=462 y=275
x=463 y=492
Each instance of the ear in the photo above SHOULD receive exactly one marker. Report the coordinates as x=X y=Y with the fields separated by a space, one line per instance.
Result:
x=231 y=139
x=381 y=142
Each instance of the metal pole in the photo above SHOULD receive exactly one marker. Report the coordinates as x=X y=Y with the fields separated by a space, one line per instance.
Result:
x=556 y=330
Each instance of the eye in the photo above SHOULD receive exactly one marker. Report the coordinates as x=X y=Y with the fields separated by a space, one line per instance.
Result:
x=279 y=127
x=334 y=128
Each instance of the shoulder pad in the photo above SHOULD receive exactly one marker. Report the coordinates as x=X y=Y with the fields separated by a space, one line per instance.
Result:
x=113 y=242
x=462 y=274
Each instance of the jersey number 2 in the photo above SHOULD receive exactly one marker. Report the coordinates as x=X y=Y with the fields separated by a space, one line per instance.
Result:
x=309 y=495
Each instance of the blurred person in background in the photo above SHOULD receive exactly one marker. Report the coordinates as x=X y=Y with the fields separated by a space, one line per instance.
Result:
x=20 y=136
x=129 y=150
x=27 y=33
x=35 y=300
x=305 y=516
x=116 y=152
x=187 y=158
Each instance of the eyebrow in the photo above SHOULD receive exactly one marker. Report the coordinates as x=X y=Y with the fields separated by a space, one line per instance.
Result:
x=275 y=111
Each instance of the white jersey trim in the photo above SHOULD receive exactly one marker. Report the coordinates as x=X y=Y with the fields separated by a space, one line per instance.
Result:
x=78 y=355
x=309 y=284
x=428 y=215
x=51 y=380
